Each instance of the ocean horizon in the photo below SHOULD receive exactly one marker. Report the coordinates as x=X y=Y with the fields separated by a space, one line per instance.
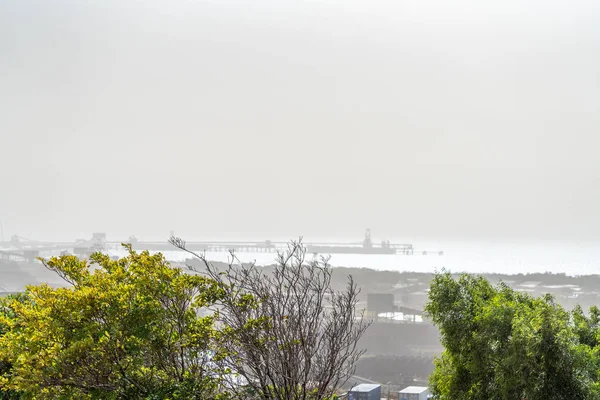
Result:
x=573 y=259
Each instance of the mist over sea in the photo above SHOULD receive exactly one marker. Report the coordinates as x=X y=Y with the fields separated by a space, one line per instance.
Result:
x=472 y=257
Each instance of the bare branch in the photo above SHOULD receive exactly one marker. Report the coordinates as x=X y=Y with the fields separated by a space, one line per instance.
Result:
x=294 y=337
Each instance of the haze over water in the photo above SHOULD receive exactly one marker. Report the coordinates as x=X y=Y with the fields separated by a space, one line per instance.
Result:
x=472 y=123
x=473 y=257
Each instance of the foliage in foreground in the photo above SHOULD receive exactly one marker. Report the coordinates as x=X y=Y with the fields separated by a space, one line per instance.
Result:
x=501 y=344
x=137 y=328
x=127 y=328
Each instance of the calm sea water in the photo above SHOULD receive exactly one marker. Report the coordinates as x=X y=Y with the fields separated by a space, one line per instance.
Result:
x=472 y=257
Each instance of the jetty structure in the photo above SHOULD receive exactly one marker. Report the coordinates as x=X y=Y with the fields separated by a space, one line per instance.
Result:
x=21 y=248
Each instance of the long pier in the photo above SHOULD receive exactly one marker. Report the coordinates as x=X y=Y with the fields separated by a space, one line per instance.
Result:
x=273 y=247
x=26 y=249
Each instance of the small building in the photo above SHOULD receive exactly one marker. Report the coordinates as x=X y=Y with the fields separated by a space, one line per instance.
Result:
x=380 y=303
x=414 y=393
x=365 y=391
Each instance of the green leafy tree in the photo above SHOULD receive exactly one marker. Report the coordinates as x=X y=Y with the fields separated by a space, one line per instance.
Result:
x=5 y=366
x=128 y=328
x=503 y=344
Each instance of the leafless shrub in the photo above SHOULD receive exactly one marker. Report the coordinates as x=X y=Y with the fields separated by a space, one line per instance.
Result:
x=287 y=333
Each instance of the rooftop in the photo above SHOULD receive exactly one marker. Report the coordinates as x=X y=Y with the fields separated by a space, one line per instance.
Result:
x=364 y=387
x=414 y=389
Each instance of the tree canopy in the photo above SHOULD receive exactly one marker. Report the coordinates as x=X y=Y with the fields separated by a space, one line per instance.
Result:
x=501 y=344
x=127 y=328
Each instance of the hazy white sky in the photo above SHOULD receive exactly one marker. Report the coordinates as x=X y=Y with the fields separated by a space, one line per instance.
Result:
x=416 y=118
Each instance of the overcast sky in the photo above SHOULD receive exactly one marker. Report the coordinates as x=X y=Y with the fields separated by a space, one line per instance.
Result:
x=415 y=118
